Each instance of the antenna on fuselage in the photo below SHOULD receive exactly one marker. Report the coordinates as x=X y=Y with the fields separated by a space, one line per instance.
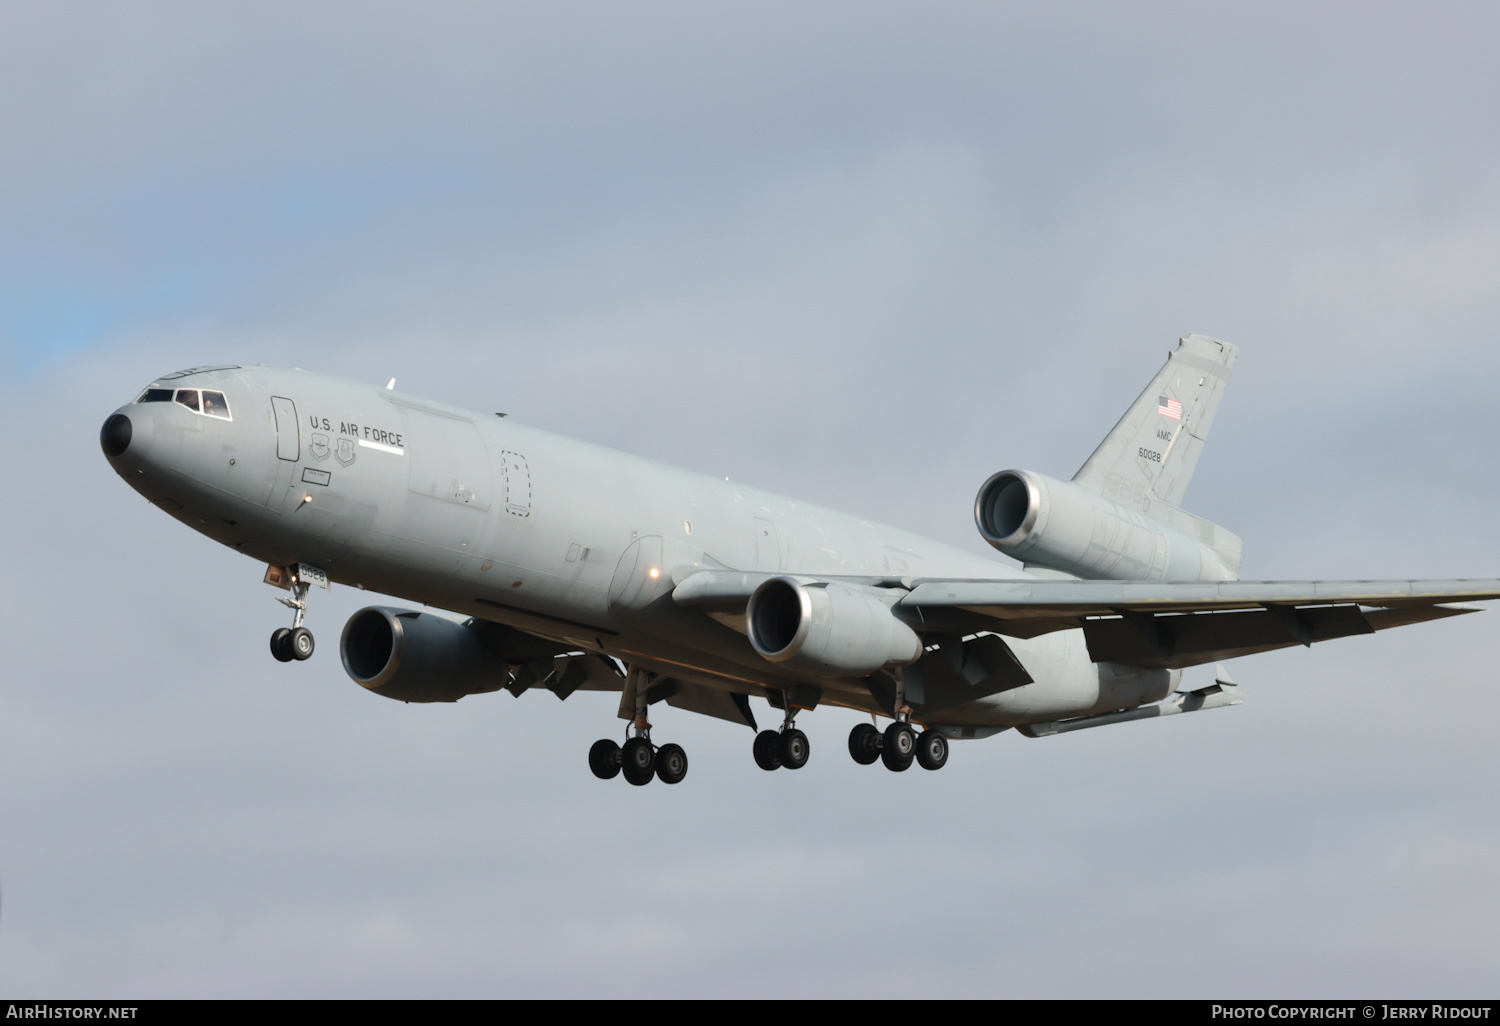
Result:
x=391 y=385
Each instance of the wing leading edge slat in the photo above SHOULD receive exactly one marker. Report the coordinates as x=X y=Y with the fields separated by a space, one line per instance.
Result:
x=1053 y=598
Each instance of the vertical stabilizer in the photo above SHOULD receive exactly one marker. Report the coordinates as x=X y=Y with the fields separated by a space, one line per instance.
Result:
x=1154 y=449
x=1146 y=462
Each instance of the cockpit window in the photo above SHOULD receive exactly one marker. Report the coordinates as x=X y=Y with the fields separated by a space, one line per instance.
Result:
x=215 y=406
x=212 y=404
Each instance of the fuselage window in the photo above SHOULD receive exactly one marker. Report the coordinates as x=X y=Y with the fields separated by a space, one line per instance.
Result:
x=189 y=398
x=156 y=395
x=215 y=406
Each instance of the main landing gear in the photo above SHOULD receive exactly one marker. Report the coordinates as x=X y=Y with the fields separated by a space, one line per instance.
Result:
x=787 y=747
x=898 y=745
x=296 y=641
x=638 y=759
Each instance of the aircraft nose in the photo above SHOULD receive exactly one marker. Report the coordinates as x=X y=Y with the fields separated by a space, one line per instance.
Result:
x=114 y=436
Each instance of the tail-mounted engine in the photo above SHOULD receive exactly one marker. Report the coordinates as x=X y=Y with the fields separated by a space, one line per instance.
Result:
x=418 y=657
x=1050 y=523
x=832 y=630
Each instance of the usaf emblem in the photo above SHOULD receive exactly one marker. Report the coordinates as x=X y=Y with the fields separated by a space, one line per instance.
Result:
x=319 y=447
x=345 y=452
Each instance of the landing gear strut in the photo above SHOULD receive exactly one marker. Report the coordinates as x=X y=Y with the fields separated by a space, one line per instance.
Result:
x=638 y=759
x=296 y=641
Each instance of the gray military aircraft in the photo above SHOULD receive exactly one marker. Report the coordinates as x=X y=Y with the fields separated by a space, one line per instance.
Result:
x=573 y=561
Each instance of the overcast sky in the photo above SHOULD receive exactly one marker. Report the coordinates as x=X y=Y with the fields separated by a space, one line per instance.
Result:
x=865 y=254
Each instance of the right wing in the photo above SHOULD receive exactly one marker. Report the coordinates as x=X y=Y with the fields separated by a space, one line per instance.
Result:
x=1177 y=624
x=1159 y=624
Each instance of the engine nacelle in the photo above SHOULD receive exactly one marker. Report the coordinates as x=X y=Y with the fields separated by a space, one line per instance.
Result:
x=1042 y=521
x=418 y=657
x=837 y=630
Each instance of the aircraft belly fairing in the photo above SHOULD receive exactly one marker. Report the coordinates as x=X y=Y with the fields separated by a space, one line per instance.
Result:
x=581 y=568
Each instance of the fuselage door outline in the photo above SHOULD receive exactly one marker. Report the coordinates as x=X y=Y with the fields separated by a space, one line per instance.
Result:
x=288 y=431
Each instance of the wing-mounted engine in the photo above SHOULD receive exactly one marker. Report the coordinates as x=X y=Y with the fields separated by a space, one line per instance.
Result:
x=419 y=657
x=1045 y=522
x=828 y=630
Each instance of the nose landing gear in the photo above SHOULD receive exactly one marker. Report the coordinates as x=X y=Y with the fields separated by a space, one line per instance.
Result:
x=296 y=641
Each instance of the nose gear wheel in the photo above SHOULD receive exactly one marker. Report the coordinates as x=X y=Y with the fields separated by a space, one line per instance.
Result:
x=280 y=648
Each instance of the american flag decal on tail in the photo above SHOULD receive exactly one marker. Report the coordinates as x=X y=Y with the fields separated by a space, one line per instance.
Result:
x=1169 y=408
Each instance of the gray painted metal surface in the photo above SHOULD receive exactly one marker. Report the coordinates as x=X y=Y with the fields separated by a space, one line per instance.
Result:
x=569 y=556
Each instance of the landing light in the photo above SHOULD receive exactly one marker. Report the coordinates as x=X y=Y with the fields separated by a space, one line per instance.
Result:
x=655 y=573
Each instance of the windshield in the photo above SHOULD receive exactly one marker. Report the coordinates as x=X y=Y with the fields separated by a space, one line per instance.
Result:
x=204 y=401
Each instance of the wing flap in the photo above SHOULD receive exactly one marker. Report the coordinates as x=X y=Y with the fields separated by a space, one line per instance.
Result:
x=1174 y=641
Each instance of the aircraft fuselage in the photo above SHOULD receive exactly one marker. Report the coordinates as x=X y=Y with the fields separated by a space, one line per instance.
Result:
x=571 y=541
